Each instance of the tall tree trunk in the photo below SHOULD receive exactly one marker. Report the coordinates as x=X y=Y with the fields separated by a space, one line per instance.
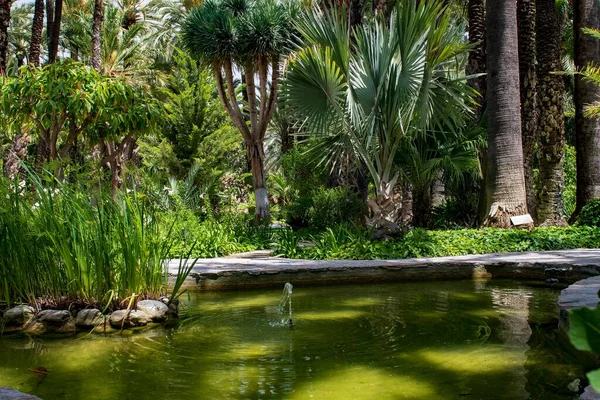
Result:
x=476 y=63
x=551 y=90
x=4 y=23
x=97 y=34
x=256 y=154
x=587 y=130
x=54 y=39
x=37 y=29
x=14 y=157
x=505 y=184
x=49 y=21
x=527 y=74
x=406 y=214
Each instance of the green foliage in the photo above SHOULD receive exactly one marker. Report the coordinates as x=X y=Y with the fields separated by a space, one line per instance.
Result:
x=361 y=96
x=570 y=185
x=356 y=243
x=335 y=206
x=238 y=31
x=63 y=100
x=68 y=243
x=590 y=214
x=212 y=237
x=193 y=114
x=584 y=333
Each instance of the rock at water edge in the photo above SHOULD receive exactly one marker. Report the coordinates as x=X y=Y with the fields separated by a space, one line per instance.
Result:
x=156 y=310
x=18 y=315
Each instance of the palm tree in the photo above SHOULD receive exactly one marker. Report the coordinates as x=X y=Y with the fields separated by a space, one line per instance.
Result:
x=505 y=183
x=19 y=35
x=367 y=95
x=252 y=37
x=527 y=75
x=551 y=91
x=37 y=29
x=4 y=23
x=587 y=130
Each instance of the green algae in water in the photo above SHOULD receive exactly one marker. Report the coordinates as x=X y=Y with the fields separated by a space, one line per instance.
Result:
x=441 y=340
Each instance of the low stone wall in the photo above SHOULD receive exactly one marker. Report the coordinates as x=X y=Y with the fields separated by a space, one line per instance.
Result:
x=243 y=273
x=25 y=319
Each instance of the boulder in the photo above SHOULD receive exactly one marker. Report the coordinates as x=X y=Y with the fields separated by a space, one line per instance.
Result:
x=34 y=328
x=7 y=393
x=89 y=318
x=155 y=310
x=54 y=317
x=135 y=318
x=18 y=315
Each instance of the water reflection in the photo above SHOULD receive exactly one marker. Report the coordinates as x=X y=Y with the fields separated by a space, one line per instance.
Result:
x=443 y=340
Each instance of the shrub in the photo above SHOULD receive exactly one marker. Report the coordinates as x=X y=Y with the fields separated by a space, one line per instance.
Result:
x=335 y=206
x=590 y=214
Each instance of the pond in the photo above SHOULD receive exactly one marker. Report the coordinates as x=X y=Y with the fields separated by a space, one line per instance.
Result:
x=423 y=340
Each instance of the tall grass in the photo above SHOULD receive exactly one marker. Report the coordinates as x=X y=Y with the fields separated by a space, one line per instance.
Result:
x=65 y=243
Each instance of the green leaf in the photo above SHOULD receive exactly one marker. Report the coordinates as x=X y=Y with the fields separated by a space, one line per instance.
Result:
x=594 y=378
x=585 y=329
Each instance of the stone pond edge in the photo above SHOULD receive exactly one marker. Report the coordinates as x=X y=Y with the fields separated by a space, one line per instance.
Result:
x=27 y=320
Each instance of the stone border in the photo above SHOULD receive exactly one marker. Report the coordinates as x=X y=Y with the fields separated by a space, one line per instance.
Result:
x=247 y=273
x=147 y=314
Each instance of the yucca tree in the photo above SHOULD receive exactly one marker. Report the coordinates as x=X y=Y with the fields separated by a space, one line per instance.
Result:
x=251 y=37
x=389 y=83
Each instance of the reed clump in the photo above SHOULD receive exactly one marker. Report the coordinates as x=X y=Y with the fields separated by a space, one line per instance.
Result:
x=73 y=244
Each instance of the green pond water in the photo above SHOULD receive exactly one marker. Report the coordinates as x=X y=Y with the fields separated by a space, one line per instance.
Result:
x=426 y=340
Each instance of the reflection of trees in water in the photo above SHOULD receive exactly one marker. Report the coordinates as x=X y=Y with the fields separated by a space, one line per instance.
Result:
x=513 y=312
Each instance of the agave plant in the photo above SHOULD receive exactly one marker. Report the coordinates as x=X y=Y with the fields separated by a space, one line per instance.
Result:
x=363 y=91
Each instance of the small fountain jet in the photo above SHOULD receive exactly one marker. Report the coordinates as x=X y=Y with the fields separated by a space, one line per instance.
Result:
x=286 y=300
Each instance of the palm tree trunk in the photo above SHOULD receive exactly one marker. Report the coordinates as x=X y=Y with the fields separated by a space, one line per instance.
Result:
x=37 y=29
x=53 y=49
x=49 y=20
x=587 y=130
x=422 y=206
x=551 y=90
x=4 y=23
x=527 y=74
x=505 y=184
x=476 y=63
x=406 y=214
x=97 y=34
